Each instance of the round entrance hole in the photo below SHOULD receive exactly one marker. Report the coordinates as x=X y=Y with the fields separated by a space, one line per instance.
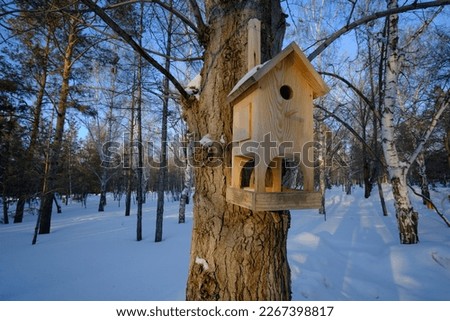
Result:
x=286 y=92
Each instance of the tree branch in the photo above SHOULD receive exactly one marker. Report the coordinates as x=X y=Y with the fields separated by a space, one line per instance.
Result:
x=375 y=16
x=432 y=204
x=354 y=133
x=165 y=6
x=203 y=29
x=356 y=90
x=422 y=28
x=128 y=39
x=412 y=158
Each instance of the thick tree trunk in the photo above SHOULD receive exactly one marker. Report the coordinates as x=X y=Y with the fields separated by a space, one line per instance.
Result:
x=236 y=254
x=407 y=218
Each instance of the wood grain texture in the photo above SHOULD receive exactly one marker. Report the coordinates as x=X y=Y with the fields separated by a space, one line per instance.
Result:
x=273 y=201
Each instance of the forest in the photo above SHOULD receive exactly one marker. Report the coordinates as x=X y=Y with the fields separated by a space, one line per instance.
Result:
x=121 y=100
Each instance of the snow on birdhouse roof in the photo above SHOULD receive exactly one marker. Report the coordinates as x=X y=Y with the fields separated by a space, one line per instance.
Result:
x=258 y=72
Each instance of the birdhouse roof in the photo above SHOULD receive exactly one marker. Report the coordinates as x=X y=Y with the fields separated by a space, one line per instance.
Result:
x=257 y=73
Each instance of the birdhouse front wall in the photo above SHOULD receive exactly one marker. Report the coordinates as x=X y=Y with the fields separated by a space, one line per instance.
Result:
x=278 y=107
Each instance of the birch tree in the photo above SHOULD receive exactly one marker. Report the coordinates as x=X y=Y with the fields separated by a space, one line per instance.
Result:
x=407 y=217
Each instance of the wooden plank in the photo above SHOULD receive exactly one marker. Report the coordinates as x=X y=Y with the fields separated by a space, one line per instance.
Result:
x=242 y=123
x=240 y=197
x=287 y=200
x=254 y=43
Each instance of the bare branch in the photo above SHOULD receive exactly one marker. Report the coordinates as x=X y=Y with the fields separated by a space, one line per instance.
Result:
x=446 y=221
x=351 y=12
x=187 y=59
x=162 y=4
x=356 y=90
x=202 y=27
x=423 y=27
x=414 y=6
x=354 y=133
x=427 y=135
x=127 y=38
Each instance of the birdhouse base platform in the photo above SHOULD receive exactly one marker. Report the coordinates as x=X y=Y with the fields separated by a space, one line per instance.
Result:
x=273 y=201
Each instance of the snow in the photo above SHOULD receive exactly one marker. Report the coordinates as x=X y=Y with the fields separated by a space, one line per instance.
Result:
x=202 y=262
x=193 y=87
x=247 y=76
x=352 y=255
x=206 y=140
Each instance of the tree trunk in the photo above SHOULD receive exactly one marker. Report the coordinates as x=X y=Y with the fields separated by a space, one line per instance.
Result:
x=321 y=159
x=129 y=161
x=236 y=254
x=45 y=210
x=381 y=196
x=140 y=164
x=162 y=173
x=447 y=146
x=366 y=172
x=5 y=208
x=424 y=180
x=102 y=201
x=18 y=218
x=407 y=218
x=188 y=180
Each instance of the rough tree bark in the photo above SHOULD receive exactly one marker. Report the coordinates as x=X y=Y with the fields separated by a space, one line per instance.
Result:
x=236 y=254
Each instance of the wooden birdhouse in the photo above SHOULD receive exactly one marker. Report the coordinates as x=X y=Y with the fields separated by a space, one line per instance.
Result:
x=272 y=128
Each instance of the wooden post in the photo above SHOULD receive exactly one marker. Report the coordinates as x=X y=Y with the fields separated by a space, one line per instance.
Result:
x=254 y=43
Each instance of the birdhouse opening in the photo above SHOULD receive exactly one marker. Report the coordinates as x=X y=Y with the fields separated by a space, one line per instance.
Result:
x=286 y=92
x=292 y=176
x=247 y=176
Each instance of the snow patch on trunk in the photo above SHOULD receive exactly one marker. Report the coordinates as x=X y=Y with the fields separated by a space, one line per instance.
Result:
x=193 y=87
x=206 y=140
x=202 y=262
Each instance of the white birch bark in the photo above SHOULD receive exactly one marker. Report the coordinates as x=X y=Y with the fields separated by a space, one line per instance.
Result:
x=407 y=218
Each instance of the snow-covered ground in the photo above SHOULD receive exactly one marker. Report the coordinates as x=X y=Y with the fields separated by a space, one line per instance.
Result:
x=353 y=255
